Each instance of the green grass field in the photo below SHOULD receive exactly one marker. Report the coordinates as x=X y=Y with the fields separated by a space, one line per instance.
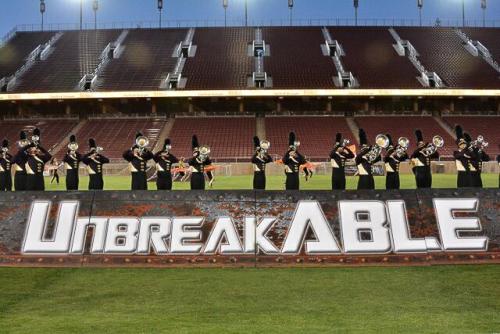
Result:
x=318 y=182
x=447 y=299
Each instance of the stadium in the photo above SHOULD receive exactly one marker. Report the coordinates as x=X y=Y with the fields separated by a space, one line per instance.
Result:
x=250 y=174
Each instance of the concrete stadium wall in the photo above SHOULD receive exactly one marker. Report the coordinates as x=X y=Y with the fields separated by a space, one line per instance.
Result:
x=15 y=209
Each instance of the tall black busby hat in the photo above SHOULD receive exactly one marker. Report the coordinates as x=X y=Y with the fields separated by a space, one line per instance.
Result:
x=5 y=143
x=22 y=135
x=467 y=137
x=292 y=139
x=419 y=135
x=92 y=143
x=362 y=137
x=460 y=135
x=72 y=139
x=36 y=132
x=194 y=142
x=338 y=138
x=256 y=142
x=391 y=143
x=167 y=142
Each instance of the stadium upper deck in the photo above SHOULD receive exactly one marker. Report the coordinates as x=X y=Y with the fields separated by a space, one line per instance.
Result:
x=255 y=59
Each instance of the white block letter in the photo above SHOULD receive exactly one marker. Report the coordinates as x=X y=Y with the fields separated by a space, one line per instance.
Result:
x=182 y=231
x=122 y=235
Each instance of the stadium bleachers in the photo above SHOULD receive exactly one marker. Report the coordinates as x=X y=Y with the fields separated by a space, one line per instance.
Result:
x=118 y=135
x=75 y=54
x=441 y=51
x=52 y=131
x=316 y=134
x=296 y=59
x=229 y=138
x=146 y=60
x=489 y=37
x=488 y=127
x=405 y=127
x=373 y=60
x=221 y=60
x=13 y=54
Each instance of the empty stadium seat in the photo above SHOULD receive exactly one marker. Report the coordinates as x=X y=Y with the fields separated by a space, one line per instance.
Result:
x=52 y=131
x=75 y=54
x=441 y=51
x=118 y=135
x=229 y=138
x=221 y=60
x=316 y=134
x=146 y=60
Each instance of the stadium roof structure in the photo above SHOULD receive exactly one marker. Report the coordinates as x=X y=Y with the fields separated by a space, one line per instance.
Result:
x=251 y=62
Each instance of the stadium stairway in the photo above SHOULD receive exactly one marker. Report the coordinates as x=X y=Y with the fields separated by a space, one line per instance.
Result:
x=445 y=126
x=260 y=127
x=354 y=127
x=164 y=134
x=60 y=148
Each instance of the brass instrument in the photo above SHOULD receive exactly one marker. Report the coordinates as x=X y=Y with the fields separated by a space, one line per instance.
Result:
x=204 y=151
x=345 y=142
x=73 y=147
x=381 y=142
x=142 y=142
x=35 y=140
x=431 y=148
x=479 y=143
x=403 y=144
x=98 y=150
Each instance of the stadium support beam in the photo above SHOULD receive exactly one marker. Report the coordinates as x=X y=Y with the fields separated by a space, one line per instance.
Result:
x=286 y=93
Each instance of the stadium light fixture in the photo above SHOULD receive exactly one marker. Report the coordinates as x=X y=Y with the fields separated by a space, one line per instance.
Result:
x=42 y=10
x=463 y=13
x=95 y=7
x=225 y=4
x=483 y=7
x=420 y=5
x=356 y=6
x=160 y=8
x=81 y=14
x=246 y=13
x=290 y=6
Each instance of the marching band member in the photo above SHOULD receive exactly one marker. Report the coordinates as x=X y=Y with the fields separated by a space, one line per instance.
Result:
x=260 y=159
x=5 y=167
x=72 y=164
x=138 y=157
x=368 y=156
x=498 y=160
x=164 y=160
x=478 y=157
x=338 y=157
x=462 y=159
x=20 y=163
x=94 y=161
x=198 y=163
x=292 y=161
x=422 y=157
x=393 y=158
x=36 y=158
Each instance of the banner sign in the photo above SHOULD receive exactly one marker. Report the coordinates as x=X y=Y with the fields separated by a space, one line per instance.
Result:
x=246 y=228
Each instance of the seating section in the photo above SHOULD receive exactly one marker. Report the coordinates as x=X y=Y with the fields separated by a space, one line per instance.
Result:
x=296 y=59
x=405 y=127
x=75 y=54
x=13 y=54
x=488 y=127
x=441 y=51
x=371 y=57
x=146 y=60
x=221 y=60
x=118 y=135
x=489 y=37
x=229 y=138
x=52 y=131
x=316 y=134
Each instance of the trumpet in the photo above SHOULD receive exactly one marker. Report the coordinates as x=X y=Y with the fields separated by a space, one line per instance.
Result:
x=97 y=150
x=345 y=142
x=142 y=142
x=479 y=143
x=431 y=148
x=381 y=142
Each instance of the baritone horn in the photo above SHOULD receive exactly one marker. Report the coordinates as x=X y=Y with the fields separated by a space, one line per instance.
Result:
x=404 y=142
x=381 y=142
x=437 y=142
x=265 y=145
x=204 y=152
x=73 y=146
